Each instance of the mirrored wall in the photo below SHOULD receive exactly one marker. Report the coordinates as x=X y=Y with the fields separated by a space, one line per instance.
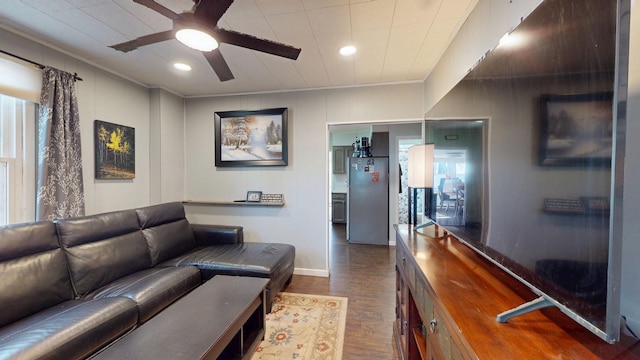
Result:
x=524 y=148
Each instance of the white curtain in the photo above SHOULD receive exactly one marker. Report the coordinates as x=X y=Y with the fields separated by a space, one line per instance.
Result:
x=60 y=187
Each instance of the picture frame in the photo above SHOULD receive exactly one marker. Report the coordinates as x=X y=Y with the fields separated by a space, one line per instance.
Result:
x=254 y=196
x=115 y=151
x=576 y=129
x=251 y=138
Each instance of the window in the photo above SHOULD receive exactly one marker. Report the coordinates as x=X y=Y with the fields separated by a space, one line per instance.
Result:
x=17 y=160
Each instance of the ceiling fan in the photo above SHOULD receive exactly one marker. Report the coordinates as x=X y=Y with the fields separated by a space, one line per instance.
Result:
x=201 y=22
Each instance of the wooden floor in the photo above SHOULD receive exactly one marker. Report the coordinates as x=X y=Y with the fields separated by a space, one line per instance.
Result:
x=366 y=275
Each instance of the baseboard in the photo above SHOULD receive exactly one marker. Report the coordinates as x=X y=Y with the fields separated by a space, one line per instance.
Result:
x=311 y=272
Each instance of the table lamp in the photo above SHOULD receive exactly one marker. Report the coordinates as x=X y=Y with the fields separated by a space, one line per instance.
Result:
x=420 y=174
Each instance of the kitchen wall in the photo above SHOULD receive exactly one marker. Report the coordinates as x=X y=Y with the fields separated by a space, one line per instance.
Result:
x=343 y=137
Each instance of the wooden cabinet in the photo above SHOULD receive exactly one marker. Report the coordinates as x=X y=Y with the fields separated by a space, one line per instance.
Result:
x=447 y=299
x=341 y=155
x=420 y=330
x=339 y=208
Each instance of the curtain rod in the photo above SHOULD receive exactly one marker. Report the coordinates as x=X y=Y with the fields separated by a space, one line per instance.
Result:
x=75 y=75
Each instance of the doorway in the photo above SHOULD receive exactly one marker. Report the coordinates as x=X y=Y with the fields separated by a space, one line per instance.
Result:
x=344 y=134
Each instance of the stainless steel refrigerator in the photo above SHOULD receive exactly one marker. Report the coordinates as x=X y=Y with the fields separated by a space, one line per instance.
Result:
x=368 y=201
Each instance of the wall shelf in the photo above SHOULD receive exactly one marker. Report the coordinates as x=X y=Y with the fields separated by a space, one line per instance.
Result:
x=231 y=203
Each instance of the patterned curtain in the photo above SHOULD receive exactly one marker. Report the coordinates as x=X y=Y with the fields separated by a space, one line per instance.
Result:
x=60 y=187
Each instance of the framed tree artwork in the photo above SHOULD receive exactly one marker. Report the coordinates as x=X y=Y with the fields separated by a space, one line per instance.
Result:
x=251 y=138
x=115 y=152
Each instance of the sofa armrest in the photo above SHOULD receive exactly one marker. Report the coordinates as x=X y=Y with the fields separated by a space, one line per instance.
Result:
x=217 y=234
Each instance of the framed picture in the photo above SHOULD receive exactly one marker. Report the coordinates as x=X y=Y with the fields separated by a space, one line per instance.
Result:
x=115 y=151
x=254 y=196
x=576 y=129
x=251 y=138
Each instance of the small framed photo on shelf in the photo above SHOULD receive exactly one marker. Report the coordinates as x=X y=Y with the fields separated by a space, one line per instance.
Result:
x=254 y=196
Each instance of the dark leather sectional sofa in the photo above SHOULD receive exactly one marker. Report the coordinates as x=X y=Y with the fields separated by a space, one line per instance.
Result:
x=69 y=288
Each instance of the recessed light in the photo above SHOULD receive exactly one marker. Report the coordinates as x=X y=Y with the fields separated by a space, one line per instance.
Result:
x=182 y=67
x=348 y=50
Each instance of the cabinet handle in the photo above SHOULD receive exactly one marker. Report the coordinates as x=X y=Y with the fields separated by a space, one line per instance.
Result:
x=404 y=327
x=432 y=325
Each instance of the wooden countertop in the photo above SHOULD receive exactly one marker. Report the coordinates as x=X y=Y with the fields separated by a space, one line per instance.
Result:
x=472 y=290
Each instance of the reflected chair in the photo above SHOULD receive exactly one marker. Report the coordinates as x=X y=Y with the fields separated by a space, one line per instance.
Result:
x=459 y=201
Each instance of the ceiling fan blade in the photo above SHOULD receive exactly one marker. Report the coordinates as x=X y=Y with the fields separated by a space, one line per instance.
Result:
x=210 y=11
x=144 y=40
x=254 y=43
x=218 y=64
x=157 y=8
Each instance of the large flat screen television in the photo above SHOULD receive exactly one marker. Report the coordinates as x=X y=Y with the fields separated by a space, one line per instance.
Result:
x=524 y=152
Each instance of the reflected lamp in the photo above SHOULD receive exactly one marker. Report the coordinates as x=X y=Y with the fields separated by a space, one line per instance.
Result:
x=420 y=176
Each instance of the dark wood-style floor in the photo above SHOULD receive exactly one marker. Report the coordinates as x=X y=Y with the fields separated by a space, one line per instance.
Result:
x=366 y=275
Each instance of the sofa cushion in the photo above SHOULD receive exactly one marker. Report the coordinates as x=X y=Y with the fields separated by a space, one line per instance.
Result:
x=166 y=230
x=72 y=330
x=152 y=289
x=33 y=270
x=265 y=260
x=102 y=248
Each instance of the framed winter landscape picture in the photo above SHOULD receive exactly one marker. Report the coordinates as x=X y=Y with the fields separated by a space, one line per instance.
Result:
x=576 y=129
x=115 y=151
x=251 y=138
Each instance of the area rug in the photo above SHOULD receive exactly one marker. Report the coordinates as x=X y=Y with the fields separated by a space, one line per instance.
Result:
x=305 y=327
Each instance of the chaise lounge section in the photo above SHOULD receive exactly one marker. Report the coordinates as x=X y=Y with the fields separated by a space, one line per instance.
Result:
x=72 y=287
x=215 y=250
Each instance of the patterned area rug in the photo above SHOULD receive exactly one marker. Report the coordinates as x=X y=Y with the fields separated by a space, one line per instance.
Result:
x=301 y=326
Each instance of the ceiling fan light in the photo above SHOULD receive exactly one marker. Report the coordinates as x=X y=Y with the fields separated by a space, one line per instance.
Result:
x=196 y=39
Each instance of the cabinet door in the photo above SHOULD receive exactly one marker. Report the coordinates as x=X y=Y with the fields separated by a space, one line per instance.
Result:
x=348 y=152
x=440 y=343
x=339 y=163
x=339 y=212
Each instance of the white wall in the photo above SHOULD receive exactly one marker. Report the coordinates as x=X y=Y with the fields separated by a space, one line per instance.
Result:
x=303 y=221
x=166 y=131
x=106 y=97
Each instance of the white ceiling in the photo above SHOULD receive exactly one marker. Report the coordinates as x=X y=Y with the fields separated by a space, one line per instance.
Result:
x=397 y=40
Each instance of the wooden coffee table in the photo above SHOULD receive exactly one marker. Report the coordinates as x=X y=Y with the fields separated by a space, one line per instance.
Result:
x=221 y=319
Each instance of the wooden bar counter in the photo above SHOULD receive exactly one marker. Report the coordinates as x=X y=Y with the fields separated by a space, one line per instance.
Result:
x=447 y=299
